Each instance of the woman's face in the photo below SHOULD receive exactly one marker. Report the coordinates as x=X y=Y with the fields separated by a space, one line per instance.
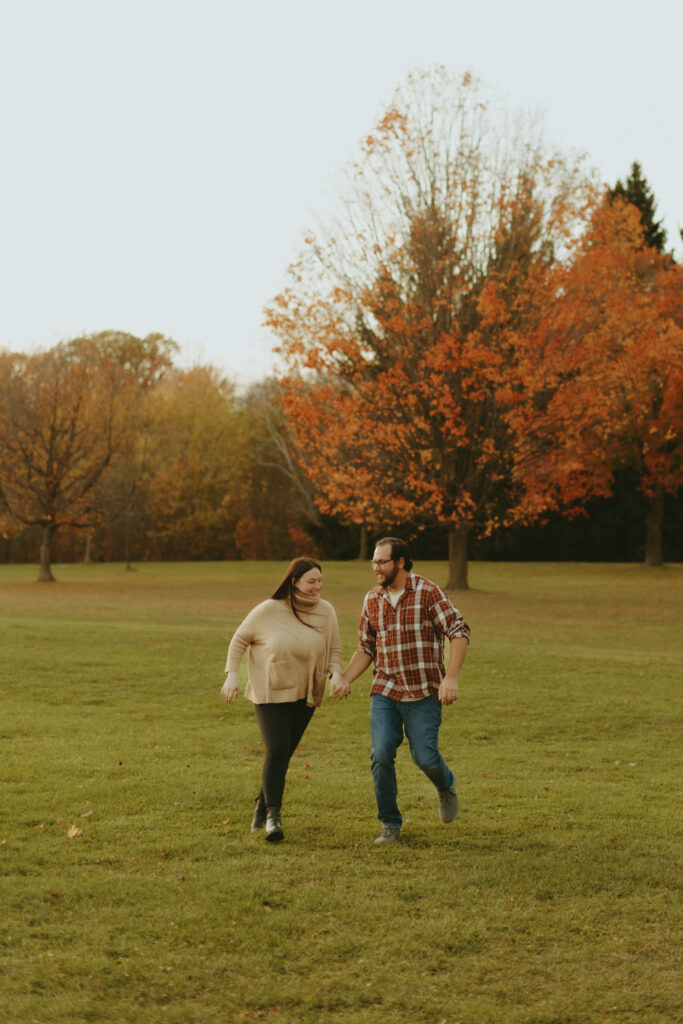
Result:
x=309 y=584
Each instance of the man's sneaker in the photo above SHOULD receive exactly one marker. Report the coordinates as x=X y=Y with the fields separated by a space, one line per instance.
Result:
x=389 y=834
x=449 y=805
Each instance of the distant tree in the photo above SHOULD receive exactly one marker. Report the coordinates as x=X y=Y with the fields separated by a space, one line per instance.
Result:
x=278 y=497
x=67 y=416
x=195 y=454
x=608 y=354
x=637 y=191
x=116 y=497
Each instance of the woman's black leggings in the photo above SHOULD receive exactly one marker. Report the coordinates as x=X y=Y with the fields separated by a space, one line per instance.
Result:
x=282 y=726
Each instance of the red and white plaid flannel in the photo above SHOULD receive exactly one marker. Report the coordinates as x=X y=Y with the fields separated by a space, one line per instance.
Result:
x=406 y=643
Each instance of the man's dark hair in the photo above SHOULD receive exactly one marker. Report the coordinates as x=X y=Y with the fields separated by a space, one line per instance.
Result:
x=399 y=549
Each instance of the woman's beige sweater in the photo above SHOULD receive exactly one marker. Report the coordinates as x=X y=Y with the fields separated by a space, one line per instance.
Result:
x=287 y=659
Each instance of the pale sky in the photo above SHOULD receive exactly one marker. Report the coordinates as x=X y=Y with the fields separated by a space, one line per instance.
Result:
x=162 y=159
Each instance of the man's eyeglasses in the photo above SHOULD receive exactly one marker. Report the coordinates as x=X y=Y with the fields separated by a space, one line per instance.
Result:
x=381 y=562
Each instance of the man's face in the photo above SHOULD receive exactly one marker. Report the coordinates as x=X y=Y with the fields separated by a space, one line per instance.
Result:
x=383 y=566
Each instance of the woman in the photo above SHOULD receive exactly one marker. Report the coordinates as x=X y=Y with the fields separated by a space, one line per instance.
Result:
x=293 y=641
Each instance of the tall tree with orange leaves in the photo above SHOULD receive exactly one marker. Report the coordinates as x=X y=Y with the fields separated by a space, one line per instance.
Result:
x=400 y=357
x=606 y=359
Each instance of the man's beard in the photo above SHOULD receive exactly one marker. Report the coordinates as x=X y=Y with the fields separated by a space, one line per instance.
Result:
x=389 y=578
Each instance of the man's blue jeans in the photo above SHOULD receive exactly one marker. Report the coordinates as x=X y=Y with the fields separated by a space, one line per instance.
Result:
x=420 y=720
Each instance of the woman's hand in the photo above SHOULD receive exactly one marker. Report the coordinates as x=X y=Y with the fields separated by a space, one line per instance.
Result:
x=231 y=687
x=339 y=688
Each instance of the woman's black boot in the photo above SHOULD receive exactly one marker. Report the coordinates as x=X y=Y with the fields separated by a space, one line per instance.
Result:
x=273 y=827
x=259 y=820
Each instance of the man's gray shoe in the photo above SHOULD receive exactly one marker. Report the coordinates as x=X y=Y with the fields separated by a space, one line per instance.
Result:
x=389 y=834
x=449 y=805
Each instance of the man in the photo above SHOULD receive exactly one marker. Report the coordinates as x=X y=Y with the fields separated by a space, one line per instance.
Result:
x=403 y=624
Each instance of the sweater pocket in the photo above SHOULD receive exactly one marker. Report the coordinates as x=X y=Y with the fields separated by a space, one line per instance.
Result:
x=282 y=674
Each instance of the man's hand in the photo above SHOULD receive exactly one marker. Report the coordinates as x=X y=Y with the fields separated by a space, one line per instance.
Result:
x=339 y=688
x=231 y=687
x=448 y=690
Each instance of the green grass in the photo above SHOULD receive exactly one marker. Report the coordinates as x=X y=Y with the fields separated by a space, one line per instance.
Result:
x=551 y=900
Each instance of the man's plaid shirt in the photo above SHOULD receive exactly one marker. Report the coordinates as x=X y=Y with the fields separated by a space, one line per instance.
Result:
x=406 y=643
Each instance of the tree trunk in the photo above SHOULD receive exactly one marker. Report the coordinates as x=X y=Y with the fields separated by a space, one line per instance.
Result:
x=45 y=573
x=129 y=516
x=655 y=516
x=363 y=545
x=87 y=554
x=457 y=558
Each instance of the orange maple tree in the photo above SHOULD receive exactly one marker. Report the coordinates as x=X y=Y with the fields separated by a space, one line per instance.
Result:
x=398 y=327
x=606 y=359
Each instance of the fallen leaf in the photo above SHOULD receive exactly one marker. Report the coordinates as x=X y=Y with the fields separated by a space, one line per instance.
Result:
x=74 y=831
x=87 y=814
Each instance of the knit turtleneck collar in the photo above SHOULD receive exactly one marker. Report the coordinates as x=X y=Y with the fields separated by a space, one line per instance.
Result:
x=306 y=604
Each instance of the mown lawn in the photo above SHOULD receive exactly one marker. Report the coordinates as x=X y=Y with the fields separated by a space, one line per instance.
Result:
x=551 y=900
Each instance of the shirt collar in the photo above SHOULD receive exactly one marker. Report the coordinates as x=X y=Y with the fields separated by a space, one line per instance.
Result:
x=410 y=585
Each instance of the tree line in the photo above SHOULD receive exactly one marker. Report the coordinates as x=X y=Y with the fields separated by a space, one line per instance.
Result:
x=111 y=451
x=482 y=349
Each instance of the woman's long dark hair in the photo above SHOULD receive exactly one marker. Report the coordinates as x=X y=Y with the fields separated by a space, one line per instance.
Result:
x=297 y=568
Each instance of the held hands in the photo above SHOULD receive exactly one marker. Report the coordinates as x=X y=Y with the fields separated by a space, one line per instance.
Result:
x=448 y=690
x=231 y=687
x=339 y=688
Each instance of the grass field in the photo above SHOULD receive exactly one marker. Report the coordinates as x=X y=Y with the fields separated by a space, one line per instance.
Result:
x=551 y=900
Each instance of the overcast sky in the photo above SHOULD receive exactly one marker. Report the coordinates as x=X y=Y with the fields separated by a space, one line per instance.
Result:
x=161 y=159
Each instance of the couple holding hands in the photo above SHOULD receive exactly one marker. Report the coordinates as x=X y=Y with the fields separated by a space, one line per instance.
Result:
x=293 y=643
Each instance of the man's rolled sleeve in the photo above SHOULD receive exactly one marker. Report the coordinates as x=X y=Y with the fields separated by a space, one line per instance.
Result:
x=367 y=637
x=448 y=619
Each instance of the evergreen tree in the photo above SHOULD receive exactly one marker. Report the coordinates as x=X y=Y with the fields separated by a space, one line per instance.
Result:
x=638 y=192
